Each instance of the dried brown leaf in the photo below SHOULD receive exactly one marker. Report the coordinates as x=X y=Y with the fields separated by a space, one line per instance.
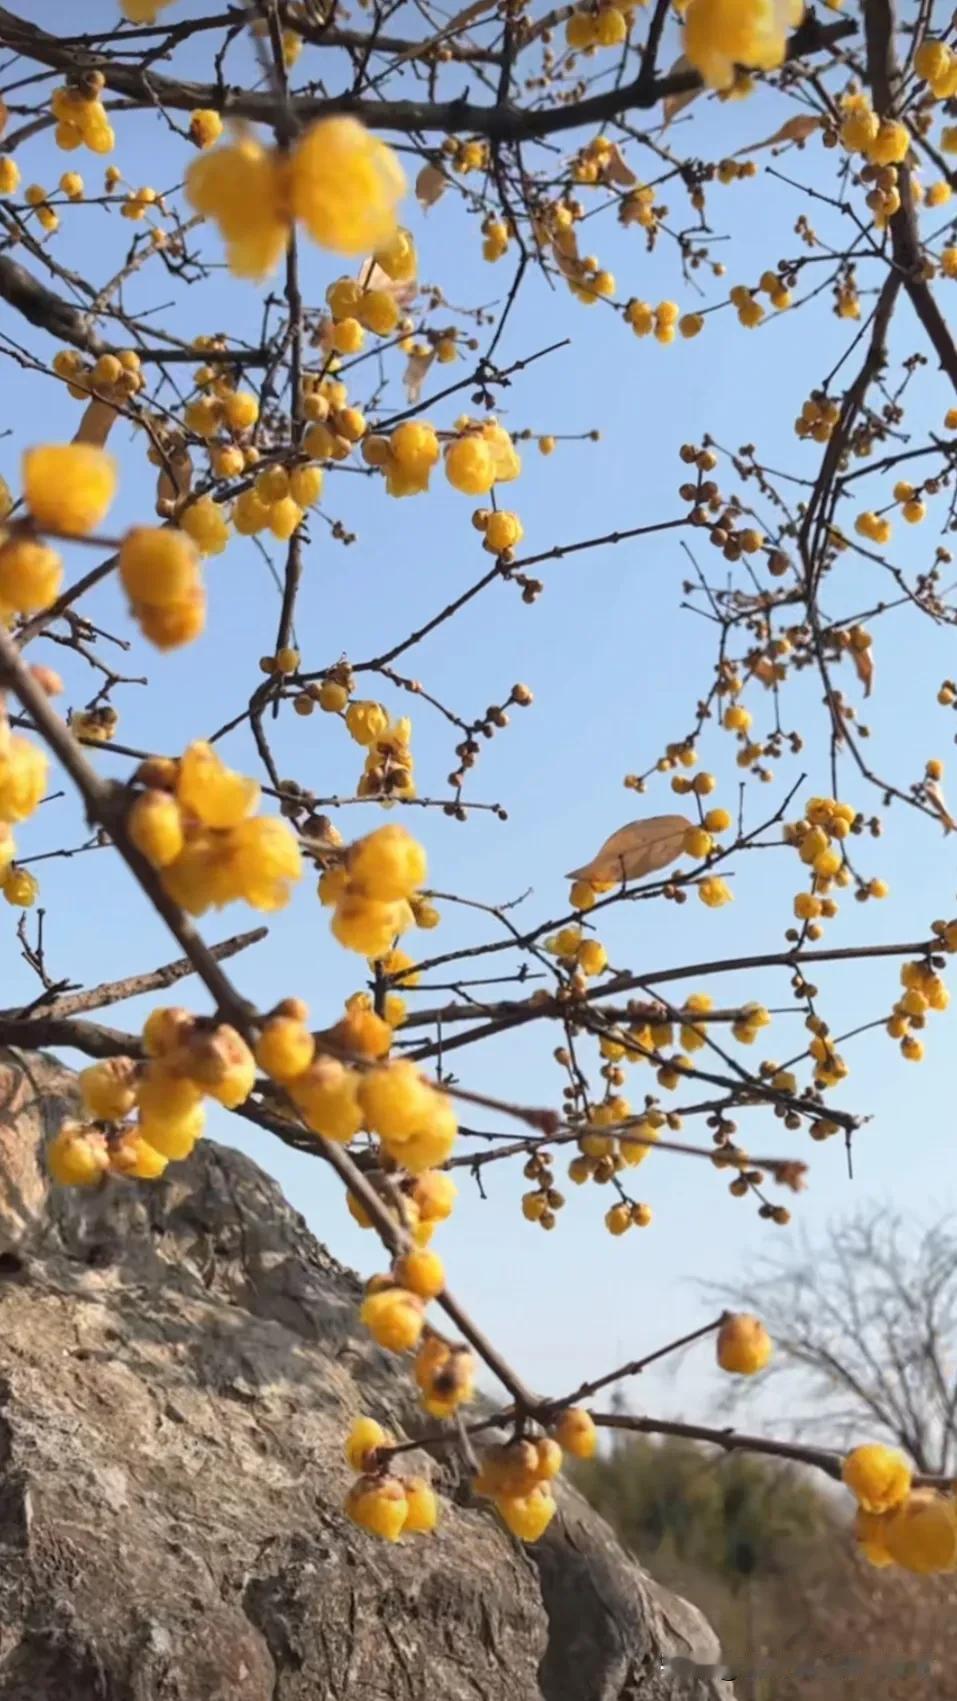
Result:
x=371 y=276
x=795 y=130
x=96 y=423
x=617 y=170
x=935 y=798
x=430 y=184
x=864 y=668
x=415 y=374
x=764 y=670
x=677 y=103
x=638 y=849
x=4 y=115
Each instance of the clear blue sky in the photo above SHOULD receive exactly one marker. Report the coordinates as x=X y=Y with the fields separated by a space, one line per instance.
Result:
x=616 y=668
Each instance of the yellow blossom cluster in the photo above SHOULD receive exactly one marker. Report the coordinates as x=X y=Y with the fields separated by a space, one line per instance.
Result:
x=371 y=888
x=338 y=180
x=444 y=1373
x=23 y=778
x=897 y=1524
x=159 y=571
x=662 y=320
x=418 y=1202
x=189 y=1058
x=817 y=837
x=604 y=25
x=554 y=228
x=923 y=990
x=379 y=1502
x=875 y=527
x=501 y=529
x=912 y=505
x=113 y=378
x=67 y=490
x=480 y=455
x=194 y=822
x=406 y=457
x=352 y=303
x=81 y=119
x=388 y=770
x=495 y=239
x=518 y=1475
x=818 y=417
x=277 y=500
x=68 y=487
x=720 y=35
x=936 y=63
x=882 y=141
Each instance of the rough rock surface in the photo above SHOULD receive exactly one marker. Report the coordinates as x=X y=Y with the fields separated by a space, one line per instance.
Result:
x=178 y=1365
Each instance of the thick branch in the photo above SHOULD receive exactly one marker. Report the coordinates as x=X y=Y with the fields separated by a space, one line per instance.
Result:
x=500 y=123
x=821 y=1458
x=153 y=980
x=884 y=75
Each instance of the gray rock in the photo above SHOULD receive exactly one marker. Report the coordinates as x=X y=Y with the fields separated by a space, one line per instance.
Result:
x=179 y=1363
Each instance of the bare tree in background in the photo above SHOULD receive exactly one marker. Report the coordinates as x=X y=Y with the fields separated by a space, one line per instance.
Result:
x=867 y=1321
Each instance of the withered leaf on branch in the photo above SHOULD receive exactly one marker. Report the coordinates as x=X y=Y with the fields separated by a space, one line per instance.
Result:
x=795 y=130
x=638 y=849
x=935 y=798
x=617 y=170
x=864 y=667
x=763 y=669
x=430 y=184
x=677 y=103
x=414 y=376
x=371 y=276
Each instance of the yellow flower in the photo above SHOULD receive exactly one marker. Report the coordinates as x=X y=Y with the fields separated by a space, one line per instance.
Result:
x=242 y=186
x=266 y=860
x=921 y=1535
x=422 y=1507
x=205 y=127
x=68 y=487
x=529 y=1515
x=77 y=1156
x=326 y=1094
x=158 y=566
x=879 y=1477
x=345 y=186
x=379 y=1505
x=870 y=1534
x=30 y=575
x=108 y=1089
x=470 y=465
x=387 y=864
x=721 y=34
x=576 y=1433
x=744 y=1345
x=211 y=791
x=23 y=775
x=714 y=892
x=20 y=888
x=393 y=1318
